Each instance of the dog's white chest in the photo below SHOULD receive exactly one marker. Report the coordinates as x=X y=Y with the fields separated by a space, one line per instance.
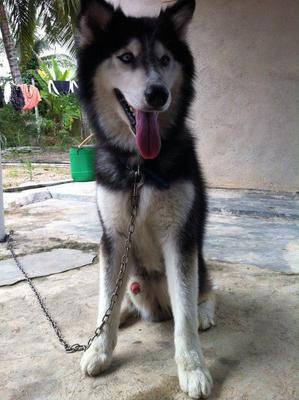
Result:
x=160 y=213
x=160 y=209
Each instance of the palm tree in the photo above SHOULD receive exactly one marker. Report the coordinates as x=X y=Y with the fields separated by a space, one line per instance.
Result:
x=57 y=18
x=9 y=45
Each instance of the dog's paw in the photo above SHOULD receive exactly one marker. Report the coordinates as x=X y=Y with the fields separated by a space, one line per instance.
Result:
x=95 y=361
x=206 y=313
x=197 y=383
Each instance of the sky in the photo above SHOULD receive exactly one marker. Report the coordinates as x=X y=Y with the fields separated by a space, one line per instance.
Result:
x=4 y=67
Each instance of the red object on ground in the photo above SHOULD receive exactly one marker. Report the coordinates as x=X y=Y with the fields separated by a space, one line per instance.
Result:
x=135 y=288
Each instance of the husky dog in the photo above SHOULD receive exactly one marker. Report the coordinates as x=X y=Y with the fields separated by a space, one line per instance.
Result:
x=136 y=83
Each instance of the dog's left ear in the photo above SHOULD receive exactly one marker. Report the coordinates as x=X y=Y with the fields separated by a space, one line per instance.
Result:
x=94 y=17
x=181 y=14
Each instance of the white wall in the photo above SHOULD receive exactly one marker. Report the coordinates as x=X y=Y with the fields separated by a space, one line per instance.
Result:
x=247 y=107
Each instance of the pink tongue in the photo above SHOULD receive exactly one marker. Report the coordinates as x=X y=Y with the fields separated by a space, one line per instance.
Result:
x=148 y=138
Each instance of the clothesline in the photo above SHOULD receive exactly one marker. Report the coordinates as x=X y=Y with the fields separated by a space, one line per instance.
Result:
x=26 y=97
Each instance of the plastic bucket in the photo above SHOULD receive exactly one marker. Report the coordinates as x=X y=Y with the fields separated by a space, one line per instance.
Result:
x=82 y=162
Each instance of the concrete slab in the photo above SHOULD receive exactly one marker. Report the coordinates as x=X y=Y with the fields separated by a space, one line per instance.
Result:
x=43 y=264
x=266 y=243
x=246 y=227
x=75 y=191
x=36 y=185
x=252 y=352
x=27 y=197
x=53 y=224
x=253 y=203
x=254 y=227
x=79 y=191
x=70 y=220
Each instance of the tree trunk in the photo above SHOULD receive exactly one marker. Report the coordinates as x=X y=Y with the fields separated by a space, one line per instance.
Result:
x=9 y=46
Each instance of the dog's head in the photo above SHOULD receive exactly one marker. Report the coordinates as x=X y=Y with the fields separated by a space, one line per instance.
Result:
x=135 y=72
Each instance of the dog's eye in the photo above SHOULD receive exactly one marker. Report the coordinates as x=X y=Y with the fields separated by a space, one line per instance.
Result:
x=126 y=58
x=165 y=60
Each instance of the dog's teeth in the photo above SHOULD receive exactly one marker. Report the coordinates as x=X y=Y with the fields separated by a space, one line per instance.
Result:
x=129 y=110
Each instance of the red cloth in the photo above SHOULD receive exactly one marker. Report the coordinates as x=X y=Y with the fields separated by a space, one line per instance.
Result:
x=31 y=96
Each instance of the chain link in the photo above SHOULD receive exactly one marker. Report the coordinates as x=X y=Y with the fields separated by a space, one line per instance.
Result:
x=138 y=182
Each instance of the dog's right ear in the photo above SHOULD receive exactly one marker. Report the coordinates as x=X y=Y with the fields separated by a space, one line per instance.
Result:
x=94 y=17
x=181 y=14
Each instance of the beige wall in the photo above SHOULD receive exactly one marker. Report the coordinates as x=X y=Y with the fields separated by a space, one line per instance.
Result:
x=247 y=107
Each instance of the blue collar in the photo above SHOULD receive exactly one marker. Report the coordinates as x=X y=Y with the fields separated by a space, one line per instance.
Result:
x=148 y=174
x=160 y=182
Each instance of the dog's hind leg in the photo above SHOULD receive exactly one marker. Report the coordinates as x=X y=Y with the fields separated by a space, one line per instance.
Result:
x=206 y=297
x=182 y=277
x=206 y=311
x=127 y=310
x=99 y=355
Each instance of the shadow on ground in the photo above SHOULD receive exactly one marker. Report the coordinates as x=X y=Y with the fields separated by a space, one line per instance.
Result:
x=252 y=353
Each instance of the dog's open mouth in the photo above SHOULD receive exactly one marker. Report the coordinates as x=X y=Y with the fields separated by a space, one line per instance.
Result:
x=145 y=127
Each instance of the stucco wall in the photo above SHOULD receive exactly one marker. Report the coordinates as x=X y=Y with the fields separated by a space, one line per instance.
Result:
x=247 y=108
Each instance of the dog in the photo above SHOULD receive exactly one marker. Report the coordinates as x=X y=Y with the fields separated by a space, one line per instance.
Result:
x=136 y=85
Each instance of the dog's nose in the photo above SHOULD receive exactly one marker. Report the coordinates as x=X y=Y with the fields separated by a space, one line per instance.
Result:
x=156 y=96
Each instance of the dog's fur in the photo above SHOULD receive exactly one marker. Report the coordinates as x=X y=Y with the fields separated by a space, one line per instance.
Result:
x=166 y=256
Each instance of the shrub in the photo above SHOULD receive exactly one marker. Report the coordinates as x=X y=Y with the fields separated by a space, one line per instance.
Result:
x=17 y=128
x=59 y=113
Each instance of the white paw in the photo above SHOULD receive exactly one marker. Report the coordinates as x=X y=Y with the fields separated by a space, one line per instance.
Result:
x=197 y=383
x=206 y=313
x=95 y=361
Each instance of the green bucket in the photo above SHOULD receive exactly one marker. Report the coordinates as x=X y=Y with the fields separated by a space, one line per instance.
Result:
x=82 y=160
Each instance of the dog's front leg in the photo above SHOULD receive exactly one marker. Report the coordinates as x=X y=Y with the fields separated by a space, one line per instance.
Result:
x=182 y=270
x=98 y=357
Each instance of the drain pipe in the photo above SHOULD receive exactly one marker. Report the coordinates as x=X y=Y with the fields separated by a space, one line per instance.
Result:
x=2 y=228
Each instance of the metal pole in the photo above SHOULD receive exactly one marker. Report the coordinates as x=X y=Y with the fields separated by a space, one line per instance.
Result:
x=36 y=112
x=2 y=228
x=84 y=125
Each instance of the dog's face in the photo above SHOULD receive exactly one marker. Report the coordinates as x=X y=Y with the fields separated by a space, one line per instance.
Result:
x=136 y=71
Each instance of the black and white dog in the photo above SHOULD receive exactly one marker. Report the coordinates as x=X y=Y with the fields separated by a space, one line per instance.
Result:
x=136 y=82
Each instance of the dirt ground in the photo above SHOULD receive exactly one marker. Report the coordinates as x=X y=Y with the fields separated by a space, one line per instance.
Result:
x=29 y=174
x=35 y=155
x=29 y=166
x=252 y=353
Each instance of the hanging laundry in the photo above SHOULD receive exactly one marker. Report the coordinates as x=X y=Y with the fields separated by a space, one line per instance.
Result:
x=62 y=87
x=7 y=92
x=17 y=98
x=31 y=96
x=74 y=87
x=1 y=98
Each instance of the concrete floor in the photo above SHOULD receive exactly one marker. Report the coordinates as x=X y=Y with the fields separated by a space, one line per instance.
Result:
x=245 y=227
x=252 y=352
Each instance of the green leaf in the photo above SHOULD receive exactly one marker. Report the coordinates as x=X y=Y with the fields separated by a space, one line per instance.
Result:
x=57 y=72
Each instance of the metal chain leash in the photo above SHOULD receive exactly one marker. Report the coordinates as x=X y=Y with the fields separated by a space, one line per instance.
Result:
x=135 y=195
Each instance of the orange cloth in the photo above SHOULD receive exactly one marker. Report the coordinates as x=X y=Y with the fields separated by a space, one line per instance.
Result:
x=31 y=96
